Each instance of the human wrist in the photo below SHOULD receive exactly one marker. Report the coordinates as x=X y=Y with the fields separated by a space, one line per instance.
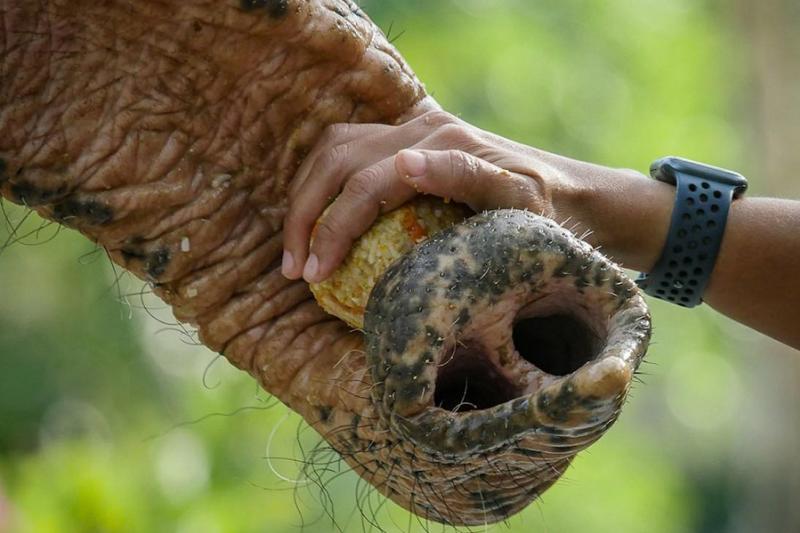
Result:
x=626 y=212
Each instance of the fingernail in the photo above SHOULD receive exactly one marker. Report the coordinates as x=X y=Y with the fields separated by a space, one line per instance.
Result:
x=287 y=265
x=311 y=269
x=415 y=163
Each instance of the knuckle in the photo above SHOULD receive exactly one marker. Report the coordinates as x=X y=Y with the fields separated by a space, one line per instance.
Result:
x=437 y=118
x=334 y=157
x=326 y=230
x=450 y=133
x=457 y=135
x=333 y=132
x=364 y=184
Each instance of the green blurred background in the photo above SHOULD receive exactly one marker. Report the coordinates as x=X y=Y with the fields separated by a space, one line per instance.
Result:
x=113 y=420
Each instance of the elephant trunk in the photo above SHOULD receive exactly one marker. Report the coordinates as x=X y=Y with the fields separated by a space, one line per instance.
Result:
x=168 y=133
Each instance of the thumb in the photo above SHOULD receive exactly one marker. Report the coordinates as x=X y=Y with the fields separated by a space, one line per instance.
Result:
x=465 y=178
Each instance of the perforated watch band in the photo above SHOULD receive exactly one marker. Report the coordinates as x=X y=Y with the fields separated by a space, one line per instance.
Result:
x=703 y=199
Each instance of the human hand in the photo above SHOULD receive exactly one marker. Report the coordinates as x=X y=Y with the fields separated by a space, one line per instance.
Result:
x=359 y=171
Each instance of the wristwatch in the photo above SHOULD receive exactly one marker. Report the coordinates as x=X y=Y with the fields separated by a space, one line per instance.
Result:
x=703 y=198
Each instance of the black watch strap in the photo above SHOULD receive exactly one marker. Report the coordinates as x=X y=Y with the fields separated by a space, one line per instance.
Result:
x=703 y=198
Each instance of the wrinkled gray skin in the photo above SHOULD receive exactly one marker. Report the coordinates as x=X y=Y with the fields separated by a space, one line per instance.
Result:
x=168 y=132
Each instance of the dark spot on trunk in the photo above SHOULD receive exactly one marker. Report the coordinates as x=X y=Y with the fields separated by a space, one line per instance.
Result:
x=590 y=403
x=570 y=266
x=28 y=194
x=130 y=254
x=411 y=391
x=559 y=407
x=275 y=8
x=157 y=263
x=2 y=170
x=527 y=452
x=463 y=317
x=601 y=275
x=249 y=5
x=89 y=211
x=325 y=414
x=435 y=338
x=302 y=152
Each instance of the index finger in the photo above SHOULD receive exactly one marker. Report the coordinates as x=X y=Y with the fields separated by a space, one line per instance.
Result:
x=334 y=135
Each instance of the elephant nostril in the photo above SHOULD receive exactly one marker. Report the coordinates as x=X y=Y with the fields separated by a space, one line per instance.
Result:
x=558 y=344
x=468 y=380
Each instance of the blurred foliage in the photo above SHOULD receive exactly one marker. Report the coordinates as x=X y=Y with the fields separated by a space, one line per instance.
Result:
x=111 y=420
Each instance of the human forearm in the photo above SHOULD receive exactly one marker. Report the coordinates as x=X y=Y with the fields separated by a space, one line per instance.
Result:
x=755 y=279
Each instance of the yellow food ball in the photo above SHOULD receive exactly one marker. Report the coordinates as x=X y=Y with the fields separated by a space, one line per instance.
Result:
x=394 y=234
